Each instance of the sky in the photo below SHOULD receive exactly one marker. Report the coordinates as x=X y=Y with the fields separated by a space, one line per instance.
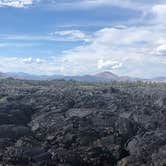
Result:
x=77 y=37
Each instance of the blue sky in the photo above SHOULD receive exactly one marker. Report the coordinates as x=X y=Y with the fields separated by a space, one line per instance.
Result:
x=76 y=37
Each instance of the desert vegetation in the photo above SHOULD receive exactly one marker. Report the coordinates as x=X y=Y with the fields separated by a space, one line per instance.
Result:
x=69 y=123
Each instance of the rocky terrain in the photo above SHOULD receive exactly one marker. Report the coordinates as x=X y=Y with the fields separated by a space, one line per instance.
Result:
x=59 y=123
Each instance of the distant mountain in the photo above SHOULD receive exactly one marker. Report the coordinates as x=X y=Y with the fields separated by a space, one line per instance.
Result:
x=107 y=76
x=2 y=75
x=160 y=79
x=99 y=77
x=26 y=76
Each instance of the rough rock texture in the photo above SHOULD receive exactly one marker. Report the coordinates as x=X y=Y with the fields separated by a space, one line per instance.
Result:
x=58 y=123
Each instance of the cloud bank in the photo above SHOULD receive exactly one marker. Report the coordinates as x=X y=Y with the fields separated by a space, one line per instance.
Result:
x=16 y=3
x=131 y=51
x=128 y=49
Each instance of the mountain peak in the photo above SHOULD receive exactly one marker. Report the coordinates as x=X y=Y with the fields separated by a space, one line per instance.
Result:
x=107 y=75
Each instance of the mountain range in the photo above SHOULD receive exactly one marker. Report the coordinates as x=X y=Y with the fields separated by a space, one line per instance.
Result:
x=99 y=77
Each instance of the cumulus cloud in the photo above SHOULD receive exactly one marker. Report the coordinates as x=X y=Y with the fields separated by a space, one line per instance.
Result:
x=160 y=11
x=16 y=3
x=29 y=65
x=107 y=64
x=32 y=60
x=128 y=35
x=161 y=50
x=125 y=51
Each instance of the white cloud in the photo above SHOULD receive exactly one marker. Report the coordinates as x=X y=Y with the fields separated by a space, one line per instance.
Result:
x=32 y=60
x=125 y=50
x=161 y=50
x=141 y=5
x=116 y=66
x=28 y=60
x=107 y=64
x=17 y=44
x=68 y=35
x=129 y=51
x=16 y=3
x=29 y=65
x=123 y=36
x=88 y=4
x=160 y=11
x=73 y=35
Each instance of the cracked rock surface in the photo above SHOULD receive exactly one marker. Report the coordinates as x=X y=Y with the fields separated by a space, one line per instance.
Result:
x=59 y=123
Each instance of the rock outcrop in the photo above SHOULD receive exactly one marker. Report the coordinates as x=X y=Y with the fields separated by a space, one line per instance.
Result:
x=60 y=123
